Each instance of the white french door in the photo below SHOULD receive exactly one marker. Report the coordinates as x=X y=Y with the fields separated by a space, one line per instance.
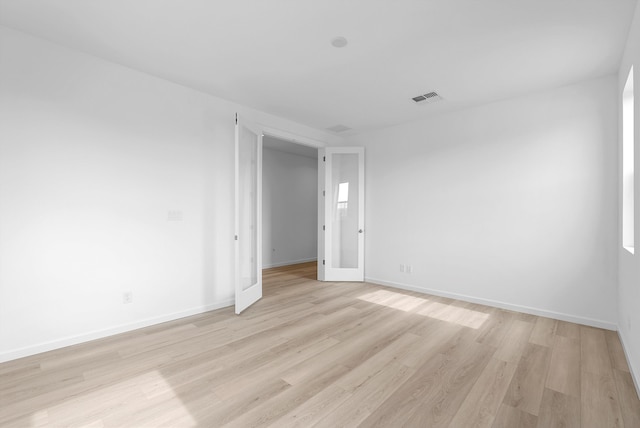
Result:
x=343 y=216
x=248 y=214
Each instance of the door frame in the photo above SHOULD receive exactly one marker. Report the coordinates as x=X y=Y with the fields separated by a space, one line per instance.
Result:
x=327 y=272
x=263 y=130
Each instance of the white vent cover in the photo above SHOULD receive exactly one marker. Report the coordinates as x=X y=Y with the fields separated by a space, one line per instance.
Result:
x=339 y=128
x=431 y=97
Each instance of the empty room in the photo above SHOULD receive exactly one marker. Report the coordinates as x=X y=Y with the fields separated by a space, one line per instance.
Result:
x=373 y=213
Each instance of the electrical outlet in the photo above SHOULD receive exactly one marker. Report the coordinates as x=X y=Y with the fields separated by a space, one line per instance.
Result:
x=409 y=269
x=401 y=267
x=174 y=215
x=127 y=297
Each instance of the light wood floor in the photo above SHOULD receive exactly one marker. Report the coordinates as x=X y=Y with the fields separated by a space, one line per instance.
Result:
x=330 y=355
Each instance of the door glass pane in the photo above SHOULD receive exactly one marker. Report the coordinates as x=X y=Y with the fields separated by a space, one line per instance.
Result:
x=248 y=213
x=344 y=210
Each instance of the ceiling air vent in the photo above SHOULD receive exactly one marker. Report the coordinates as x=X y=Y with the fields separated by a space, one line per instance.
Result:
x=431 y=97
x=339 y=128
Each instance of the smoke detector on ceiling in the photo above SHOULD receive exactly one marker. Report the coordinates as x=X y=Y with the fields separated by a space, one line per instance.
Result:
x=338 y=128
x=429 y=98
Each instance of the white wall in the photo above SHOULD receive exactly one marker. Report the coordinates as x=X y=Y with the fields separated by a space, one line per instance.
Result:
x=289 y=208
x=513 y=203
x=629 y=264
x=92 y=157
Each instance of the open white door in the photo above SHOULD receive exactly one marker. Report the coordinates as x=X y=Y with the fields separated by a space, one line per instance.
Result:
x=343 y=217
x=248 y=214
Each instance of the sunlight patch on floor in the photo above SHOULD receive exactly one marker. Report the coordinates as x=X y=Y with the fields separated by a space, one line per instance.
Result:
x=39 y=419
x=114 y=404
x=453 y=314
x=393 y=300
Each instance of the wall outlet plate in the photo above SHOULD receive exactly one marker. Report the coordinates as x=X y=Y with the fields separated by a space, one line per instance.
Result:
x=174 y=215
x=127 y=297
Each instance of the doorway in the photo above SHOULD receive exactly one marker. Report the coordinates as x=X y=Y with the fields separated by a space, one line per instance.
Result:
x=289 y=203
x=335 y=175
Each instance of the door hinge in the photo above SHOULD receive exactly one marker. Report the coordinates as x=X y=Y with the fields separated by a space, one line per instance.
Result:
x=323 y=227
x=322 y=261
x=323 y=193
x=324 y=158
x=236 y=237
x=236 y=118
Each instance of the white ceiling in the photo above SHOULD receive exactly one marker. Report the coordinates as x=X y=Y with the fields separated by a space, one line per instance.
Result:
x=276 y=55
x=277 y=144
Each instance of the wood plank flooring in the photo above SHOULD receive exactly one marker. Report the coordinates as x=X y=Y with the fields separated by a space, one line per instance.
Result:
x=331 y=355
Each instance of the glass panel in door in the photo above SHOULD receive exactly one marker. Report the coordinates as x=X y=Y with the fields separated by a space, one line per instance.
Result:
x=344 y=207
x=248 y=214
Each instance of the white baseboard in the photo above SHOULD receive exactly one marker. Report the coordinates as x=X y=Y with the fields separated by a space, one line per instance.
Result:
x=498 y=304
x=636 y=381
x=291 y=262
x=99 y=334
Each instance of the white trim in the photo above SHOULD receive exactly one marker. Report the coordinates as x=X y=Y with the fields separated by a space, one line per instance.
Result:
x=99 y=334
x=321 y=219
x=636 y=381
x=498 y=304
x=291 y=262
